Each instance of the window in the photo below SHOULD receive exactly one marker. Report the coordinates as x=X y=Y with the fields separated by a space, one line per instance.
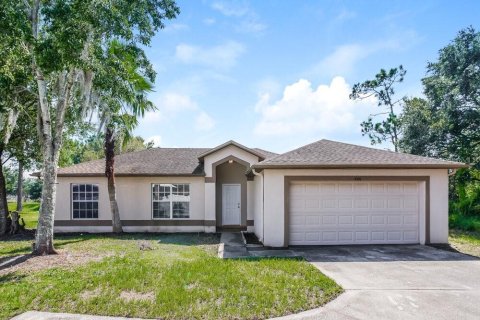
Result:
x=85 y=201
x=171 y=201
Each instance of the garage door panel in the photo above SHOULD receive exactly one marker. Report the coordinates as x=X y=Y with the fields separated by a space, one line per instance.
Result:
x=345 y=235
x=361 y=236
x=329 y=203
x=394 y=203
x=378 y=219
x=353 y=212
x=329 y=220
x=410 y=219
x=361 y=203
x=329 y=236
x=362 y=220
x=326 y=188
x=312 y=204
x=345 y=220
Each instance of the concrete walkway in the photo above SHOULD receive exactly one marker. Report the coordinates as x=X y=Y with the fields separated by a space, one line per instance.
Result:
x=233 y=246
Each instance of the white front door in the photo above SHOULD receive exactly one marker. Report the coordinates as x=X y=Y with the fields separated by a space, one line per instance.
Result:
x=231 y=204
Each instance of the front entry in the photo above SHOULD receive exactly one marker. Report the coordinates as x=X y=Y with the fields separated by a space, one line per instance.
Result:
x=231 y=204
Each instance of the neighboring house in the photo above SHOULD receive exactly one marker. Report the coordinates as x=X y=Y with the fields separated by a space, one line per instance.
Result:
x=323 y=193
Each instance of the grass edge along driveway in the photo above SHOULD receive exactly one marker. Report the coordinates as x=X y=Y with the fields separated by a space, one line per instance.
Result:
x=160 y=276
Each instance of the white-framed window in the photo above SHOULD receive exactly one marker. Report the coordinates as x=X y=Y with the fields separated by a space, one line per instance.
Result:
x=170 y=201
x=84 y=201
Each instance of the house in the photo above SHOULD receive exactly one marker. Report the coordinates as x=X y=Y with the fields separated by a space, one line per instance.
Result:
x=324 y=193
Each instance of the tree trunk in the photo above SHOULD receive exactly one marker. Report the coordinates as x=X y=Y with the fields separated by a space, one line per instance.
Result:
x=3 y=199
x=44 y=234
x=20 y=187
x=110 y=174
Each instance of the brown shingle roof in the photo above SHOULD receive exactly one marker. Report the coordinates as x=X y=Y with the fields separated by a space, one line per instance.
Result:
x=332 y=154
x=153 y=162
x=150 y=162
x=266 y=154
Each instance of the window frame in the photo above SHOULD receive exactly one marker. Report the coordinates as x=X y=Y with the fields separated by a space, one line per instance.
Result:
x=171 y=200
x=71 y=200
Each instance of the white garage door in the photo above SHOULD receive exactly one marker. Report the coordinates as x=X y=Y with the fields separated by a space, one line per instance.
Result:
x=356 y=212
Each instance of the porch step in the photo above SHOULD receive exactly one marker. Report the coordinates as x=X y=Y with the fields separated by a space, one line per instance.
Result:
x=232 y=246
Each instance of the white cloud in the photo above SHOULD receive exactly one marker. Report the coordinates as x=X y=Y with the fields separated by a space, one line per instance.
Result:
x=251 y=25
x=303 y=109
x=176 y=27
x=203 y=122
x=157 y=140
x=343 y=60
x=209 y=21
x=249 y=19
x=175 y=102
x=345 y=14
x=168 y=105
x=223 y=56
x=231 y=8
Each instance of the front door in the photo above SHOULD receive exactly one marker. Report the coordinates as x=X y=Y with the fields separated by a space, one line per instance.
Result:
x=231 y=204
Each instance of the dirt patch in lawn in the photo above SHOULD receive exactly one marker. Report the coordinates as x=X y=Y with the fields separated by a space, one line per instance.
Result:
x=64 y=259
x=467 y=242
x=137 y=296
x=89 y=294
x=465 y=247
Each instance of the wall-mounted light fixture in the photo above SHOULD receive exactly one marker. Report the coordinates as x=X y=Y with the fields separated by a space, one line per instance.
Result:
x=230 y=161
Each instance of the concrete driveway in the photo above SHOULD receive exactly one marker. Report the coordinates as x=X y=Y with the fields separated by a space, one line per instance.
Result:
x=397 y=282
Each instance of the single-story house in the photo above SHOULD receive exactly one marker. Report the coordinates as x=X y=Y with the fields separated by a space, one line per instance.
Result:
x=324 y=193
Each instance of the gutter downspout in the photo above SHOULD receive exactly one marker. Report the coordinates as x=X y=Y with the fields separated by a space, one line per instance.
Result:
x=263 y=201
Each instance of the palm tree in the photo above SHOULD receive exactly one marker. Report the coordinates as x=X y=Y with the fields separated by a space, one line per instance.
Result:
x=120 y=92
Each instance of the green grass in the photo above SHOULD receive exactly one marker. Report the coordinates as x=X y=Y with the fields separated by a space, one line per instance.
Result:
x=180 y=276
x=463 y=222
x=29 y=213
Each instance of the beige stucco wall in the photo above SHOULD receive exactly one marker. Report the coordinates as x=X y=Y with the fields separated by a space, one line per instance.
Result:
x=134 y=200
x=251 y=204
x=274 y=224
x=257 y=184
x=63 y=201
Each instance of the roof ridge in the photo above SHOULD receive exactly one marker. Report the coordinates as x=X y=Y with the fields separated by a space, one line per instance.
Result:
x=386 y=150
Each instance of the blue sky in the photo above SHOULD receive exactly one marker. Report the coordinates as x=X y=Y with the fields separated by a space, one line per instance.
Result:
x=277 y=74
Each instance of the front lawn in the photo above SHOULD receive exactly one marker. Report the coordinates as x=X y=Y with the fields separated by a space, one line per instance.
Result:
x=29 y=213
x=157 y=276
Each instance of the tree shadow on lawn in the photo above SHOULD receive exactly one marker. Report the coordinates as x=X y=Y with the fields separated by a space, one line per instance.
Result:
x=27 y=249
x=11 y=277
x=179 y=238
x=11 y=261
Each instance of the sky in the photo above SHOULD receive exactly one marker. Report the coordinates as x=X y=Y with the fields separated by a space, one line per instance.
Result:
x=277 y=74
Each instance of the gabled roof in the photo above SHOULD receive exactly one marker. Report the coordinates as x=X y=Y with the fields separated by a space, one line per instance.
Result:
x=155 y=162
x=150 y=162
x=332 y=154
x=255 y=152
